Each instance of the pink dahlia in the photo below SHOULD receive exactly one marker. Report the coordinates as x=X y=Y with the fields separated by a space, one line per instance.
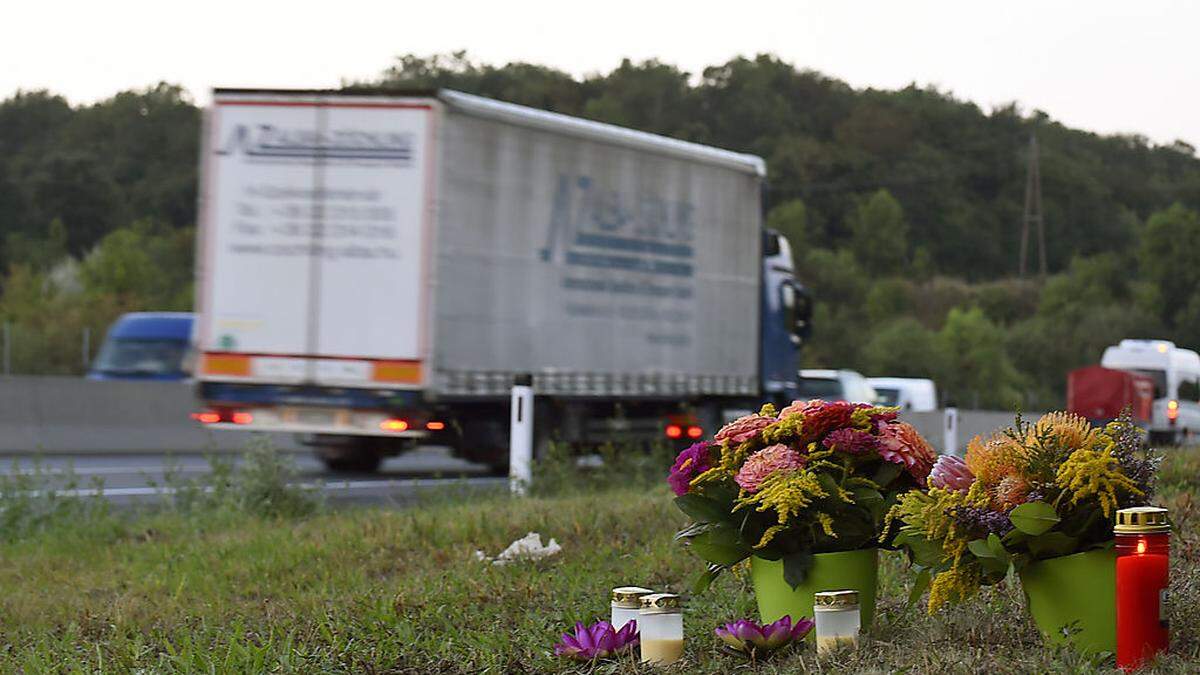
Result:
x=951 y=473
x=900 y=443
x=744 y=428
x=765 y=462
x=851 y=441
x=690 y=463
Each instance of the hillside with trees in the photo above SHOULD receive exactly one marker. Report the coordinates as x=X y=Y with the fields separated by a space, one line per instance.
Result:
x=903 y=207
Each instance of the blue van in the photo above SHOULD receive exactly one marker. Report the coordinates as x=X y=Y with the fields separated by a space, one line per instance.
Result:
x=146 y=346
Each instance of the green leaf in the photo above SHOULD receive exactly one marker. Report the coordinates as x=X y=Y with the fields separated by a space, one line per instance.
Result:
x=702 y=509
x=886 y=473
x=996 y=567
x=693 y=530
x=1034 y=517
x=980 y=548
x=720 y=545
x=706 y=578
x=919 y=587
x=870 y=499
x=1052 y=544
x=922 y=551
x=997 y=548
x=796 y=567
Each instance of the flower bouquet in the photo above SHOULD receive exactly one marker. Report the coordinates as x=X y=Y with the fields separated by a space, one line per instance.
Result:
x=781 y=487
x=1025 y=495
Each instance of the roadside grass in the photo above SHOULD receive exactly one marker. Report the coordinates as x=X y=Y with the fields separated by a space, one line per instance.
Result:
x=208 y=584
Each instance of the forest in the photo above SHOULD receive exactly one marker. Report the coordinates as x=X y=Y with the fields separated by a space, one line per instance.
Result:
x=903 y=207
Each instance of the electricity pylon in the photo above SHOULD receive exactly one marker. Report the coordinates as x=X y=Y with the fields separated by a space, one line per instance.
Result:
x=1033 y=209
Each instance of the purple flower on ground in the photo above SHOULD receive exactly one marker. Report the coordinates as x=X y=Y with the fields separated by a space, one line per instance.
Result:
x=755 y=641
x=598 y=641
x=851 y=441
x=951 y=473
x=690 y=463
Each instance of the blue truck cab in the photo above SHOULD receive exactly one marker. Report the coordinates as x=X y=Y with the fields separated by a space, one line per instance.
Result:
x=146 y=346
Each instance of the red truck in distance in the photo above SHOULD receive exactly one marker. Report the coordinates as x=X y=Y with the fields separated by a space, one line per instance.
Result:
x=1100 y=394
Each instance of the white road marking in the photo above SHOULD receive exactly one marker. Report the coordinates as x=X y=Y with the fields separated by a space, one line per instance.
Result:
x=327 y=487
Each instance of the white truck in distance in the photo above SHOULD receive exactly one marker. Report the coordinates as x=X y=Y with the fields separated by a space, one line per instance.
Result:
x=374 y=269
x=1176 y=375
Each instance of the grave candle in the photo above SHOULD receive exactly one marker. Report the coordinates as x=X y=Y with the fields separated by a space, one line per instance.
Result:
x=1142 y=535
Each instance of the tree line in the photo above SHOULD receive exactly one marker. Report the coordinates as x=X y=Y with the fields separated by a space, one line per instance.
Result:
x=903 y=208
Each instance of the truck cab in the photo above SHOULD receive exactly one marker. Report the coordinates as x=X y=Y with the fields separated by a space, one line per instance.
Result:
x=146 y=346
x=1175 y=372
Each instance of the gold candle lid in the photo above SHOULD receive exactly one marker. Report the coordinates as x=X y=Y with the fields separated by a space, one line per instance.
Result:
x=835 y=599
x=661 y=603
x=1142 y=520
x=629 y=597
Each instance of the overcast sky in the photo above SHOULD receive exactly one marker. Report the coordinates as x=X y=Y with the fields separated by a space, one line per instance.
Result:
x=1103 y=65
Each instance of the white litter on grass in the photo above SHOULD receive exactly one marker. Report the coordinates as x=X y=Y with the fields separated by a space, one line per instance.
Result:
x=529 y=547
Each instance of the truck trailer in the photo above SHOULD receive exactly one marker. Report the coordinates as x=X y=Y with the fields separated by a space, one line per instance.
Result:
x=375 y=268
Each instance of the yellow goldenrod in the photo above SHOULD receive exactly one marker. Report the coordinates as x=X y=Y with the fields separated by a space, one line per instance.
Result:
x=1088 y=472
x=787 y=493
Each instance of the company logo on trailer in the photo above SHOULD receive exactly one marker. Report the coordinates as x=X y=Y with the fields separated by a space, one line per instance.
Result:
x=269 y=142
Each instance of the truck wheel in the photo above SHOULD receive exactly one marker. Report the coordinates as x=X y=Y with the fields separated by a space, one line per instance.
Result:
x=347 y=459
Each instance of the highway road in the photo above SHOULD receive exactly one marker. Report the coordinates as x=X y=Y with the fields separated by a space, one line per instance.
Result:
x=139 y=478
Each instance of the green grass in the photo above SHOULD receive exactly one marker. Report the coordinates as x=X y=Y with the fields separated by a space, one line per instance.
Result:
x=229 y=586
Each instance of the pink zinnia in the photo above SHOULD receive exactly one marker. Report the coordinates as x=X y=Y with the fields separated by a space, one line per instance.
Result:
x=850 y=441
x=902 y=444
x=765 y=462
x=821 y=417
x=743 y=428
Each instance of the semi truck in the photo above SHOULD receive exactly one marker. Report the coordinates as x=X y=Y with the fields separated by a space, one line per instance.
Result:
x=374 y=270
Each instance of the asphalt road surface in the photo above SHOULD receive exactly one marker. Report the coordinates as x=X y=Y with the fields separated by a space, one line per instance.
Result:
x=135 y=478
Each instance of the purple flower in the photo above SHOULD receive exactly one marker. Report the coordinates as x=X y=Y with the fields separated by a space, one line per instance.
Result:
x=851 y=441
x=951 y=473
x=690 y=463
x=597 y=641
x=982 y=521
x=749 y=638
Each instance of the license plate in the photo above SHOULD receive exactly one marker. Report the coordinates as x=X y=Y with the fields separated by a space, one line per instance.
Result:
x=313 y=416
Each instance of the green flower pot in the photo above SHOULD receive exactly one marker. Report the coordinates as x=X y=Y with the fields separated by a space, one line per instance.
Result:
x=855 y=570
x=1073 y=599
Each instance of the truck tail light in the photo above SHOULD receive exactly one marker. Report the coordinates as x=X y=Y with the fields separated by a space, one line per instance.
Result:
x=241 y=417
x=1172 y=411
x=694 y=432
x=674 y=431
x=207 y=417
x=435 y=426
x=393 y=424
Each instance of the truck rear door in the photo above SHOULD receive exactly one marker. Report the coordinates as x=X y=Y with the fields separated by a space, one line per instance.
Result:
x=315 y=224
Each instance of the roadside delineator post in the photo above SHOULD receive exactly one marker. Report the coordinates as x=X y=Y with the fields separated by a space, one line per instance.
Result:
x=520 y=440
x=950 y=429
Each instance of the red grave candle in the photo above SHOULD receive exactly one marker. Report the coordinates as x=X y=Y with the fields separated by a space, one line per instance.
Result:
x=1142 y=535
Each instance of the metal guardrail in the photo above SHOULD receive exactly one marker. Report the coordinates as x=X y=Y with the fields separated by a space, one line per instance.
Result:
x=74 y=415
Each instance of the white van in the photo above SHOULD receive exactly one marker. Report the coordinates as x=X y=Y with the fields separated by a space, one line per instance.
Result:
x=1176 y=375
x=835 y=385
x=910 y=394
